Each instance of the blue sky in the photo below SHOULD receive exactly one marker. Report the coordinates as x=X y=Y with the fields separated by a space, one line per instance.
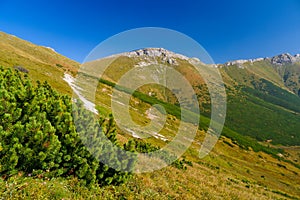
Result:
x=228 y=30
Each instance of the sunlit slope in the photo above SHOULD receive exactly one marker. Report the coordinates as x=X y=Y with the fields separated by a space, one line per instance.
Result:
x=261 y=103
x=43 y=63
x=261 y=106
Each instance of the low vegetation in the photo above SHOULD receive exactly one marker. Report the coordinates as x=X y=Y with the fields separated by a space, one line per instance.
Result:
x=38 y=136
x=43 y=156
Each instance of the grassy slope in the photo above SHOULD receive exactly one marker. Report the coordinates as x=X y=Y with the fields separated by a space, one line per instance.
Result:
x=260 y=105
x=43 y=63
x=229 y=172
x=239 y=167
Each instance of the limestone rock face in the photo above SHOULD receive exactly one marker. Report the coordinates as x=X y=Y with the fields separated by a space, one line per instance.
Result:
x=152 y=54
x=281 y=59
x=285 y=58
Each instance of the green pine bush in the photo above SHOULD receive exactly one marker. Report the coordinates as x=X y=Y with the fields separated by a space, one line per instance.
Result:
x=39 y=138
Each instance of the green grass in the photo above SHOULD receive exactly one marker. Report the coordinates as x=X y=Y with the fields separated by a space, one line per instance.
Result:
x=238 y=167
x=259 y=104
x=271 y=93
x=262 y=120
x=42 y=63
x=243 y=141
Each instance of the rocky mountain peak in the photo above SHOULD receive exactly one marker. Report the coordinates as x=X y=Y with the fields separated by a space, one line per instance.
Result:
x=285 y=58
x=240 y=63
x=281 y=59
x=156 y=52
x=151 y=54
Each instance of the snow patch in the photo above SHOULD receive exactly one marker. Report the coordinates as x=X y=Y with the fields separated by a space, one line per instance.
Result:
x=87 y=104
x=51 y=49
x=133 y=133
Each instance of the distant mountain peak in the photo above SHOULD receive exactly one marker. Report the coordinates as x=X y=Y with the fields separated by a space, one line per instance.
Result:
x=241 y=62
x=153 y=53
x=156 y=52
x=280 y=59
x=285 y=58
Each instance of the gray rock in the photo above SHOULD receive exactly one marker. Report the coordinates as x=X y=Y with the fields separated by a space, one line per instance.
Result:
x=282 y=59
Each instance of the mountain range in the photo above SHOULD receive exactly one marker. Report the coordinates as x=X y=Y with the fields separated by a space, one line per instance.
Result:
x=263 y=94
x=258 y=154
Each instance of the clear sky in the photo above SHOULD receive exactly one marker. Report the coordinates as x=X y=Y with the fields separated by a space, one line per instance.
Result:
x=228 y=30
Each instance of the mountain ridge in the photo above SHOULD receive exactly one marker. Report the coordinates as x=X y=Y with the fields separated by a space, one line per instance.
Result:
x=162 y=52
x=247 y=161
x=258 y=75
x=281 y=65
x=158 y=51
x=42 y=63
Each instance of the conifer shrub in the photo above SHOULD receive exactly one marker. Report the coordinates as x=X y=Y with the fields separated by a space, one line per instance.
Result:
x=39 y=138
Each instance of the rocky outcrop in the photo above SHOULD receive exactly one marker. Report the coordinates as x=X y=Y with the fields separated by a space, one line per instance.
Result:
x=236 y=62
x=152 y=54
x=156 y=52
x=241 y=62
x=285 y=58
x=281 y=59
